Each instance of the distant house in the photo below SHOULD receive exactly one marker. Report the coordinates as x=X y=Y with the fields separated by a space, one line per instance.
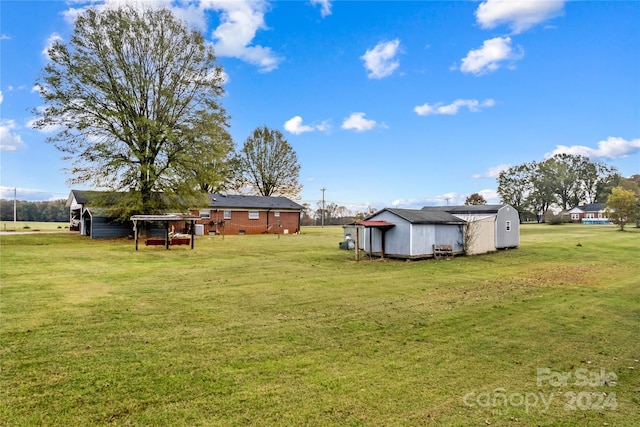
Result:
x=89 y=216
x=240 y=214
x=225 y=214
x=589 y=213
x=492 y=227
x=411 y=233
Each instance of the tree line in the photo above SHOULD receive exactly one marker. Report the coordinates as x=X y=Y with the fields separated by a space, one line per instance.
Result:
x=51 y=211
x=563 y=181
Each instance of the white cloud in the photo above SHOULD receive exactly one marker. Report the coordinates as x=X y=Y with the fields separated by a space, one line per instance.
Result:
x=492 y=172
x=4 y=37
x=324 y=126
x=491 y=196
x=357 y=122
x=239 y=22
x=181 y=11
x=472 y=104
x=1 y=97
x=611 y=148
x=8 y=193
x=447 y=199
x=54 y=37
x=518 y=15
x=294 y=125
x=325 y=7
x=381 y=60
x=9 y=141
x=489 y=57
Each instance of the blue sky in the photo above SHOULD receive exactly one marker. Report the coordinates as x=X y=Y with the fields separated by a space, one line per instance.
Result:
x=386 y=103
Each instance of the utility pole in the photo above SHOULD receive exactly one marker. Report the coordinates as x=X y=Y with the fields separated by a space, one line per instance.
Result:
x=323 y=190
x=447 y=199
x=15 y=210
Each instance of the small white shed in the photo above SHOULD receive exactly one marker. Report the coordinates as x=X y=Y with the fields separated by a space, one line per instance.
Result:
x=489 y=227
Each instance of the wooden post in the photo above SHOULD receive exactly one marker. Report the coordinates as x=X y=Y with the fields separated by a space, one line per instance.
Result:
x=193 y=232
x=357 y=243
x=135 y=232
x=166 y=234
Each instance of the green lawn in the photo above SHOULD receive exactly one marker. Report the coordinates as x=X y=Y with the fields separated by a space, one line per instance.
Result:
x=289 y=331
x=33 y=226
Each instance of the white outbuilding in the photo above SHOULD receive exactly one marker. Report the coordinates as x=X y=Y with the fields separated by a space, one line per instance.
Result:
x=488 y=227
x=411 y=233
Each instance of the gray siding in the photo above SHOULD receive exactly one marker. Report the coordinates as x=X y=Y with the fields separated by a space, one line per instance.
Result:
x=407 y=240
x=507 y=238
x=422 y=240
x=450 y=235
x=102 y=227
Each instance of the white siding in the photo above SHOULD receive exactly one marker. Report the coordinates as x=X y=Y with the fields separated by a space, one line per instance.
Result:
x=511 y=238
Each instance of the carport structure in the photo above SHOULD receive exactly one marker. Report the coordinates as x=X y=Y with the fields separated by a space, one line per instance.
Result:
x=383 y=226
x=166 y=220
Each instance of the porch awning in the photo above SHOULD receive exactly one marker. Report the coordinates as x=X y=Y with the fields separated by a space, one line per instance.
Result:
x=376 y=224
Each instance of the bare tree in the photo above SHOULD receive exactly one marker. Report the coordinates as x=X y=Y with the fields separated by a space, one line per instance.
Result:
x=268 y=165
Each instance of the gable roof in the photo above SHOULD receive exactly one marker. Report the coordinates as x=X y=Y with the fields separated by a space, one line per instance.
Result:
x=467 y=209
x=591 y=207
x=221 y=201
x=86 y=197
x=418 y=216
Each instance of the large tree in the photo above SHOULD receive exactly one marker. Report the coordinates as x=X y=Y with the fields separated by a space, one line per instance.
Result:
x=563 y=180
x=135 y=97
x=268 y=165
x=622 y=206
x=475 y=199
x=514 y=187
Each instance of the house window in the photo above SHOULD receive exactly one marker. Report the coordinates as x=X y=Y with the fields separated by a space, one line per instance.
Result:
x=254 y=215
x=226 y=215
x=590 y=216
x=575 y=216
x=508 y=225
x=276 y=213
x=205 y=213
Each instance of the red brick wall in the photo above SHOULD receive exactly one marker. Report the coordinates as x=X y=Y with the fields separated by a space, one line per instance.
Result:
x=240 y=223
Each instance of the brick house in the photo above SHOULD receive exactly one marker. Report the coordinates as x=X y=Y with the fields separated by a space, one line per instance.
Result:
x=588 y=213
x=240 y=214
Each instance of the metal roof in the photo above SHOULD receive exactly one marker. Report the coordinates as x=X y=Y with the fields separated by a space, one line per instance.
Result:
x=418 y=216
x=219 y=201
x=376 y=224
x=222 y=201
x=167 y=217
x=464 y=209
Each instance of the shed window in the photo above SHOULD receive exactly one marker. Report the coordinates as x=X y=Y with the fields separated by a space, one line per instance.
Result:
x=226 y=215
x=508 y=225
x=205 y=213
x=254 y=215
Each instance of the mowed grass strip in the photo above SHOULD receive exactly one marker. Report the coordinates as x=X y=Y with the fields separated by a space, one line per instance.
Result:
x=261 y=330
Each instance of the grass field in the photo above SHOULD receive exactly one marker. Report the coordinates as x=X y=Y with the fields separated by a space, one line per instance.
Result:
x=22 y=226
x=261 y=331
